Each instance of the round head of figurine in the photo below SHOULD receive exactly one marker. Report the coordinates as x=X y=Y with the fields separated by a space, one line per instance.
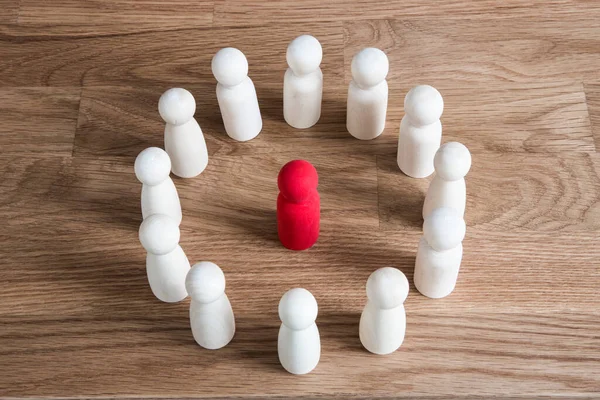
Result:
x=452 y=161
x=444 y=229
x=387 y=287
x=152 y=166
x=304 y=55
x=205 y=282
x=297 y=180
x=298 y=309
x=229 y=66
x=424 y=105
x=176 y=106
x=369 y=67
x=159 y=234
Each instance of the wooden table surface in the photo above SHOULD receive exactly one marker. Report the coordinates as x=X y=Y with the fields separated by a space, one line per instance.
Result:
x=79 y=86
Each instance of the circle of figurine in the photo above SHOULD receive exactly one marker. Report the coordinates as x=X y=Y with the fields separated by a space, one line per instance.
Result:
x=383 y=321
x=184 y=141
x=303 y=82
x=236 y=95
x=299 y=343
x=367 y=94
x=166 y=263
x=419 y=154
x=205 y=283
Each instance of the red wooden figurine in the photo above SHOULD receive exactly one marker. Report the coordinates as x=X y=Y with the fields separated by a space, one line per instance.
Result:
x=298 y=205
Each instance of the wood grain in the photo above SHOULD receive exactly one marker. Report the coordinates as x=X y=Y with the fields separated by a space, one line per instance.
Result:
x=237 y=12
x=102 y=17
x=501 y=350
x=38 y=121
x=9 y=11
x=507 y=50
x=592 y=93
x=539 y=192
x=144 y=59
x=79 y=86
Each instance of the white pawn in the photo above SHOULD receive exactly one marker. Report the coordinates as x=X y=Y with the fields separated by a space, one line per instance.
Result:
x=166 y=263
x=211 y=315
x=303 y=82
x=440 y=253
x=236 y=95
x=367 y=94
x=299 y=344
x=448 y=189
x=159 y=195
x=184 y=141
x=420 y=131
x=383 y=321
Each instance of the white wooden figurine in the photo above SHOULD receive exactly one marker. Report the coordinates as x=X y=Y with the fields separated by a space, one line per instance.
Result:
x=440 y=253
x=236 y=95
x=159 y=194
x=184 y=141
x=383 y=320
x=303 y=82
x=367 y=94
x=211 y=315
x=299 y=344
x=420 y=131
x=166 y=263
x=448 y=189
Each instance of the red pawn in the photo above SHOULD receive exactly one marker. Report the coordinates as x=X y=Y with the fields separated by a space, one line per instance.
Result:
x=298 y=205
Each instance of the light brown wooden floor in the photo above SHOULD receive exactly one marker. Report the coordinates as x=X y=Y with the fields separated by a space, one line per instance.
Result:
x=79 y=85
